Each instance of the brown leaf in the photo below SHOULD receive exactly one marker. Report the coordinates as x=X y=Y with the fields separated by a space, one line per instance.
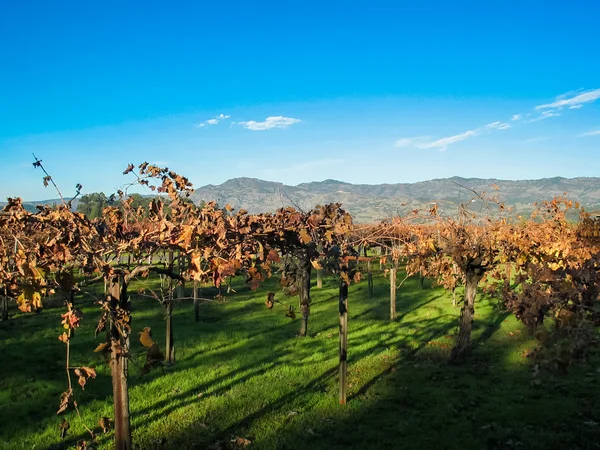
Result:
x=240 y=442
x=65 y=398
x=290 y=313
x=104 y=346
x=270 y=300
x=105 y=423
x=63 y=427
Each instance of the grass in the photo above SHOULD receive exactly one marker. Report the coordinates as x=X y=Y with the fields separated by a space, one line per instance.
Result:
x=242 y=372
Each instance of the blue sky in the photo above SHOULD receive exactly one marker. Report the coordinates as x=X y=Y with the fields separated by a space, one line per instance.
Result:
x=365 y=92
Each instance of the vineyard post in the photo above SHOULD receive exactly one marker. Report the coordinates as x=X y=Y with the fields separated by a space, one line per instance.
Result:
x=170 y=341
x=393 y=294
x=4 y=301
x=343 y=315
x=196 y=302
x=119 y=364
x=181 y=262
x=304 y=267
x=369 y=279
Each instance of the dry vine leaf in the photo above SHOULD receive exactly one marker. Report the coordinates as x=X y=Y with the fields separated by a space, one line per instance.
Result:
x=84 y=373
x=106 y=424
x=270 y=300
x=146 y=337
x=240 y=442
x=29 y=300
x=304 y=236
x=104 y=346
x=290 y=313
x=63 y=427
x=65 y=398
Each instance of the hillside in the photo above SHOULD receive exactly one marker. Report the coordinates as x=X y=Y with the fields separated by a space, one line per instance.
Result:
x=368 y=202
x=372 y=202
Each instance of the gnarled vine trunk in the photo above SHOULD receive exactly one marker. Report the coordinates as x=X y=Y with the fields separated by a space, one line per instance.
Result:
x=472 y=278
x=304 y=269
x=169 y=339
x=343 y=313
x=119 y=363
x=369 y=279
x=4 y=303
x=392 y=294
x=196 y=302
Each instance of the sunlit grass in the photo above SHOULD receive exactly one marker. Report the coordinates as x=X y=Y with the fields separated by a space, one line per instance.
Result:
x=241 y=371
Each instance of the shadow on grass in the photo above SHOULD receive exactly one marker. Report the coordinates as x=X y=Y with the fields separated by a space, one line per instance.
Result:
x=241 y=372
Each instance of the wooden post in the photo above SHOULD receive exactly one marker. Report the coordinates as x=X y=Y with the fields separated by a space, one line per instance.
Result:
x=343 y=313
x=181 y=285
x=170 y=341
x=119 y=364
x=196 y=303
x=304 y=267
x=369 y=279
x=393 y=294
x=4 y=301
x=319 y=279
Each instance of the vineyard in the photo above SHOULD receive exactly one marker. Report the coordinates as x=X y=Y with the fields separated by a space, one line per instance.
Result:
x=177 y=326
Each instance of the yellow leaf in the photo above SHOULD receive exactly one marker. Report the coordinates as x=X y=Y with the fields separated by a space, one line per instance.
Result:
x=29 y=300
x=304 y=237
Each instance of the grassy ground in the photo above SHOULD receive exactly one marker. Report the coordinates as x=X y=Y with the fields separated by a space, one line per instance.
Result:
x=242 y=372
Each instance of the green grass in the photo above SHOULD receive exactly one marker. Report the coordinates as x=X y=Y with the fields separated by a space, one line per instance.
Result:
x=241 y=371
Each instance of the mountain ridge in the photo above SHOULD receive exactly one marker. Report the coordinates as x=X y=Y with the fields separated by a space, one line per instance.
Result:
x=374 y=202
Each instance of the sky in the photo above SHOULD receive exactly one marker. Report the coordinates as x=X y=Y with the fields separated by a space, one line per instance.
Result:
x=364 y=92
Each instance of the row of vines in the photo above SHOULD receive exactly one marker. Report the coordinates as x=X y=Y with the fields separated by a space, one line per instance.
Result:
x=542 y=266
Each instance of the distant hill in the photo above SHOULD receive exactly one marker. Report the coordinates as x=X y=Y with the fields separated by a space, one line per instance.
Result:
x=30 y=205
x=371 y=202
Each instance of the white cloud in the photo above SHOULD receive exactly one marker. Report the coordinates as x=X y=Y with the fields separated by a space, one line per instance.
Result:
x=498 y=126
x=213 y=121
x=590 y=133
x=577 y=100
x=572 y=100
x=442 y=144
x=411 y=142
x=546 y=115
x=269 y=123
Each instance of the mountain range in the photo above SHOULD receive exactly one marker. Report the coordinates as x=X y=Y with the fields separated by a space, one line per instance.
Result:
x=373 y=202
